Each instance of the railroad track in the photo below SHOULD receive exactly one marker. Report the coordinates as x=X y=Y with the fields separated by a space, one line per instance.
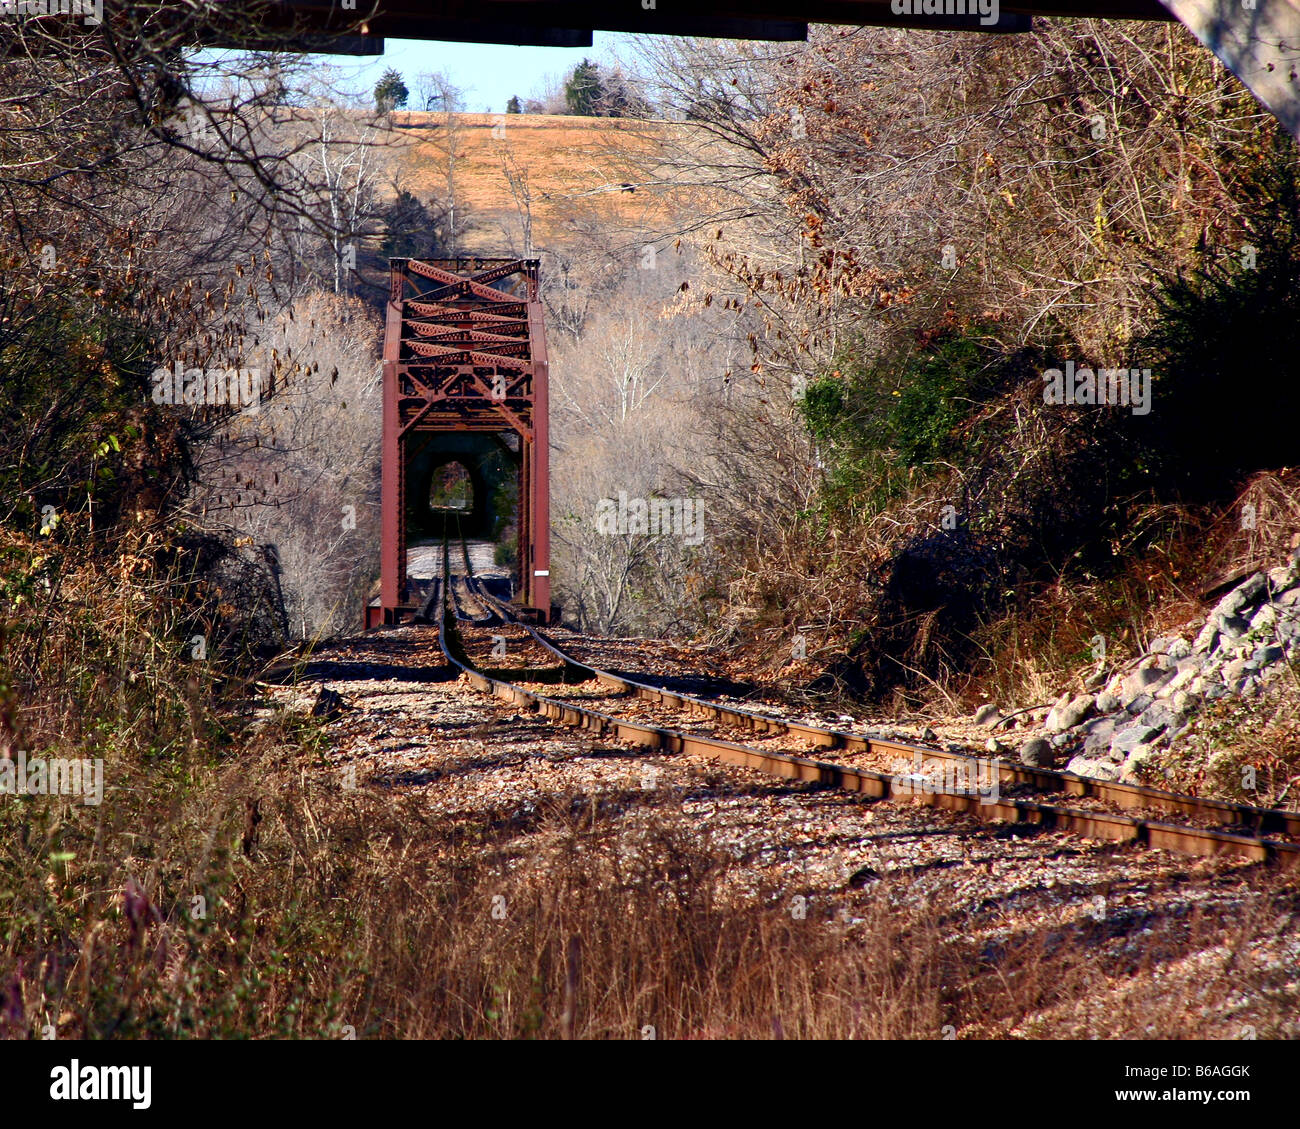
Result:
x=1009 y=792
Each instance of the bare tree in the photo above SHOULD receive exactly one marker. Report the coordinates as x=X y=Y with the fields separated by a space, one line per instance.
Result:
x=302 y=474
x=516 y=175
x=434 y=90
x=342 y=166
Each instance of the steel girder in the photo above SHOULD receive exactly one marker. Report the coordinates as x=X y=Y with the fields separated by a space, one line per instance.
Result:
x=462 y=352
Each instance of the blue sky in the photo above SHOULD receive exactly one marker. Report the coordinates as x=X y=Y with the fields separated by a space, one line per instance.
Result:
x=488 y=74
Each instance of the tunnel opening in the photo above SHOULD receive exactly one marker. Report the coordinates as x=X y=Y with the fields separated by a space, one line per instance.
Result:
x=463 y=485
x=451 y=490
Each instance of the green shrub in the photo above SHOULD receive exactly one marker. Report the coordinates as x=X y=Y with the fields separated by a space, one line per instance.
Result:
x=880 y=421
x=1225 y=348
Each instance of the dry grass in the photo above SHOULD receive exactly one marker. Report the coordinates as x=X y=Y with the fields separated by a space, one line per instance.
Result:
x=574 y=167
x=1046 y=646
x=337 y=910
x=230 y=886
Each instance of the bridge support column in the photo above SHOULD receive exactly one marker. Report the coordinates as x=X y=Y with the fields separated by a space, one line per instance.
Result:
x=1260 y=44
x=538 y=567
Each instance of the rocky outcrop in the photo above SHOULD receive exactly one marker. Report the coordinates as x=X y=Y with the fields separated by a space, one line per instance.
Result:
x=1246 y=642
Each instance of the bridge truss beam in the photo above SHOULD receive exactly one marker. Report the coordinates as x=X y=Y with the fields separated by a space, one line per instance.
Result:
x=465 y=351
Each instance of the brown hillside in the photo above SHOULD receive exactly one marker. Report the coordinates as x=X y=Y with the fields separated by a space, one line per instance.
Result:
x=574 y=171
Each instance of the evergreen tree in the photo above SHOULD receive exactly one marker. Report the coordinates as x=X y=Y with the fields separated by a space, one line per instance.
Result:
x=583 y=91
x=1223 y=347
x=512 y=107
x=390 y=91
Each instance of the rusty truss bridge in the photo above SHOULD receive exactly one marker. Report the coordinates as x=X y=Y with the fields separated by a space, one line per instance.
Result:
x=465 y=448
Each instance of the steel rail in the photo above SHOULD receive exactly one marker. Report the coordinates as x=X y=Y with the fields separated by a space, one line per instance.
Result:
x=1259 y=820
x=1090 y=824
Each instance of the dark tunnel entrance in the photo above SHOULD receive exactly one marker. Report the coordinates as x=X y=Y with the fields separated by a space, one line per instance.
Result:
x=464 y=484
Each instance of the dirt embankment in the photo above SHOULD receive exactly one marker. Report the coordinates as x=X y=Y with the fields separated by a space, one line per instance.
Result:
x=574 y=175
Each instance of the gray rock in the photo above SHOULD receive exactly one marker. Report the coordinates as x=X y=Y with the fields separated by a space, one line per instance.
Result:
x=1060 y=740
x=1037 y=753
x=1246 y=595
x=1234 y=671
x=996 y=747
x=1288 y=622
x=1090 y=766
x=1131 y=770
x=1141 y=680
x=1264 y=620
x=1188 y=669
x=1158 y=716
x=1208 y=636
x=1099 y=738
x=1160 y=644
x=1107 y=703
x=1076 y=710
x=1179 y=649
x=988 y=714
x=1131 y=738
x=1231 y=626
x=1249 y=688
x=1106 y=721
x=1288 y=599
x=1095 y=680
x=1139 y=704
x=1283 y=578
x=1214 y=693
